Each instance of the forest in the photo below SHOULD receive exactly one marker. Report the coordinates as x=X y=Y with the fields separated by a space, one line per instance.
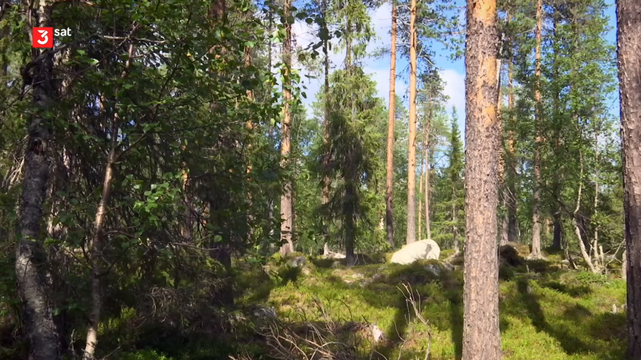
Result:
x=320 y=179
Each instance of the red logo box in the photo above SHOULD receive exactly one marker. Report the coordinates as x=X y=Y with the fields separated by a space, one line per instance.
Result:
x=42 y=37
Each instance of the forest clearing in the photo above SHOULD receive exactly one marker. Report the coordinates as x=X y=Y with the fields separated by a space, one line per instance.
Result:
x=320 y=179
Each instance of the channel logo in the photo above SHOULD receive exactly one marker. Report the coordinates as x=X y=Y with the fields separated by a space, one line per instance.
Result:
x=43 y=36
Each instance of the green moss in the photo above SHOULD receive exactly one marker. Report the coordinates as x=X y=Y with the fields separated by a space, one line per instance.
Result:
x=564 y=315
x=543 y=310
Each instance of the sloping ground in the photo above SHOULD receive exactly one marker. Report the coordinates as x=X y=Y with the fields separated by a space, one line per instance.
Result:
x=545 y=314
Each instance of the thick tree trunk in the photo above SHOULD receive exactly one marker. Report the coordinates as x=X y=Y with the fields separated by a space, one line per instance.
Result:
x=286 y=200
x=557 y=241
x=629 y=41
x=536 y=198
x=481 y=335
x=411 y=163
x=389 y=189
x=30 y=265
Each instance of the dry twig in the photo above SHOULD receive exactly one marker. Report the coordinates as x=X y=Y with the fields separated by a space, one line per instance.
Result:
x=415 y=304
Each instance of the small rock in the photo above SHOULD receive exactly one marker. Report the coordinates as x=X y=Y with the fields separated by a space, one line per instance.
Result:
x=434 y=269
x=297 y=261
x=334 y=255
x=353 y=277
x=375 y=277
x=265 y=312
x=377 y=333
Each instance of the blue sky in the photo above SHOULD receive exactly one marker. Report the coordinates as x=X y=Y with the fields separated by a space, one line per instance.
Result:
x=452 y=72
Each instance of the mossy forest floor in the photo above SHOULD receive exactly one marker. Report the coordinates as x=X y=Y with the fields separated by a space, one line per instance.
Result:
x=546 y=312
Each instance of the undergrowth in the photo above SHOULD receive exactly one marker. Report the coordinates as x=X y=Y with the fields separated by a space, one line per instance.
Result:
x=545 y=311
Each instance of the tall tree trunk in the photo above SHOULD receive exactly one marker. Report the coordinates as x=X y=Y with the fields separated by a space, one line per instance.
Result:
x=326 y=180
x=96 y=250
x=595 y=246
x=31 y=273
x=557 y=181
x=286 y=205
x=503 y=163
x=389 y=190
x=629 y=41
x=426 y=193
x=420 y=205
x=97 y=241
x=512 y=233
x=481 y=335
x=536 y=198
x=268 y=247
x=411 y=163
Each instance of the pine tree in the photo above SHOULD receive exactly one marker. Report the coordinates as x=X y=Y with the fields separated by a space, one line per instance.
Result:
x=536 y=198
x=389 y=189
x=411 y=173
x=481 y=335
x=629 y=38
x=353 y=161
